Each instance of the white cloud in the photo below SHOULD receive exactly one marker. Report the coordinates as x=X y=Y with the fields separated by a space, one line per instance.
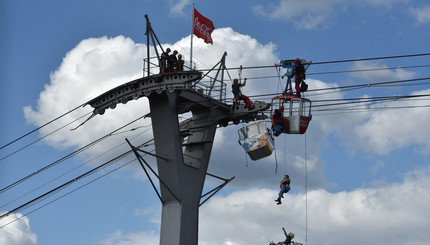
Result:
x=383 y=74
x=306 y=15
x=16 y=232
x=386 y=3
x=177 y=7
x=316 y=14
x=386 y=130
x=380 y=215
x=361 y=216
x=422 y=14
x=118 y=238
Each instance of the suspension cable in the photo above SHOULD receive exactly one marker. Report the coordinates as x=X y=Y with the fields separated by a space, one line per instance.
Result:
x=65 y=157
x=34 y=130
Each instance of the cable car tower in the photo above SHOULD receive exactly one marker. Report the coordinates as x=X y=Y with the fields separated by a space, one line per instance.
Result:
x=182 y=148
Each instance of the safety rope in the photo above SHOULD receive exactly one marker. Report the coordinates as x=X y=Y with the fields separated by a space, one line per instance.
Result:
x=306 y=191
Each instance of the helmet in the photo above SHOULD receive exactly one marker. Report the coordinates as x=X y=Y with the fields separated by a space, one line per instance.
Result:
x=180 y=56
x=175 y=52
x=235 y=80
x=291 y=235
x=297 y=60
x=168 y=50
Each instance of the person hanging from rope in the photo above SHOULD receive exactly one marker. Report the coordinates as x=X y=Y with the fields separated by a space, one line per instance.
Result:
x=163 y=60
x=238 y=93
x=279 y=123
x=300 y=73
x=285 y=187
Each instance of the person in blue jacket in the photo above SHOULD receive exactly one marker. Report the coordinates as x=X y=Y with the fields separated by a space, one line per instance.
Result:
x=285 y=187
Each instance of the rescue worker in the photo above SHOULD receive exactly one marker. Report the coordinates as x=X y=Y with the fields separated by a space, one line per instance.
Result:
x=163 y=60
x=299 y=72
x=179 y=66
x=290 y=65
x=238 y=93
x=285 y=187
x=172 y=61
x=289 y=237
x=279 y=123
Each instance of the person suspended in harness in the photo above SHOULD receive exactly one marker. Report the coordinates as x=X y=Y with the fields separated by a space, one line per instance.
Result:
x=279 y=123
x=238 y=93
x=285 y=187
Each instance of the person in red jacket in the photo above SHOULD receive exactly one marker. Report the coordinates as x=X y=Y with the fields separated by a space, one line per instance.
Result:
x=238 y=93
x=299 y=72
x=279 y=123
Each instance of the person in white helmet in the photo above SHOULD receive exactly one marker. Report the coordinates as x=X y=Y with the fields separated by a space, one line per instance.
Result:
x=289 y=237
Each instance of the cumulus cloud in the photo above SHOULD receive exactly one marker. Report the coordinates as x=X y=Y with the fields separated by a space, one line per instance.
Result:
x=177 y=7
x=362 y=216
x=16 y=232
x=376 y=71
x=94 y=66
x=118 y=238
x=317 y=14
x=422 y=14
x=384 y=131
x=386 y=3
x=378 y=215
x=306 y=15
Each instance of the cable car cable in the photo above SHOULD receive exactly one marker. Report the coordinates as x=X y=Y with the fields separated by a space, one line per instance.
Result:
x=80 y=187
x=65 y=157
x=366 y=59
x=352 y=86
x=45 y=136
x=34 y=130
x=336 y=61
x=53 y=191
x=71 y=170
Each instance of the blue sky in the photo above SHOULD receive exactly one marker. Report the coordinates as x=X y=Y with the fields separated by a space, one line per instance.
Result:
x=368 y=171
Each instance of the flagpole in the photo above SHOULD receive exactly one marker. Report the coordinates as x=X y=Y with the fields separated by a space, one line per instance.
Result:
x=192 y=34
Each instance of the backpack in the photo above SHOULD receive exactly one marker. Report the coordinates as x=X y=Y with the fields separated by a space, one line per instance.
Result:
x=303 y=87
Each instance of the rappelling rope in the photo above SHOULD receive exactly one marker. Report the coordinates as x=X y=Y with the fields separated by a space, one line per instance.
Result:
x=306 y=191
x=243 y=122
x=278 y=71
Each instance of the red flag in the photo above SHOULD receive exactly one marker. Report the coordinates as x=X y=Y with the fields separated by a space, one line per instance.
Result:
x=203 y=27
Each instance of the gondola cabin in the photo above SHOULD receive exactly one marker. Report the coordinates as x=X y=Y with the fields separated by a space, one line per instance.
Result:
x=256 y=139
x=296 y=110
